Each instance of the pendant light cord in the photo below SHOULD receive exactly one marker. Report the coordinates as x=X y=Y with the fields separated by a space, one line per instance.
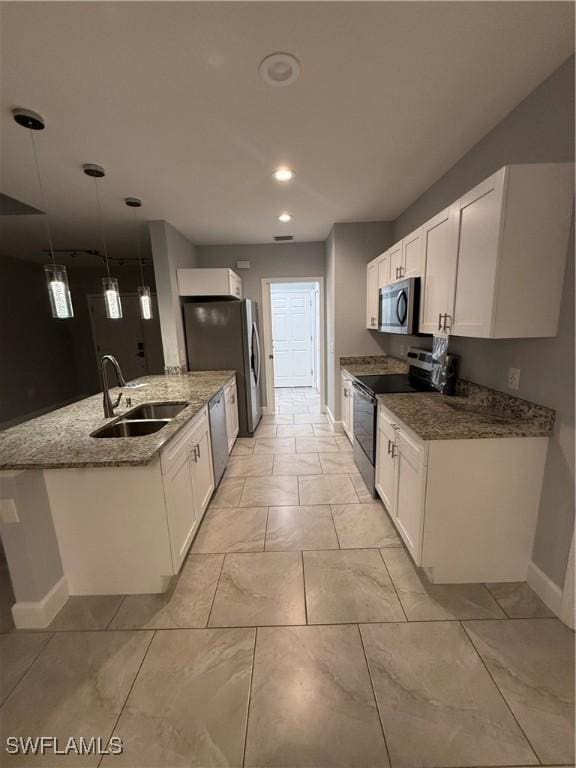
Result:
x=139 y=249
x=102 y=233
x=43 y=198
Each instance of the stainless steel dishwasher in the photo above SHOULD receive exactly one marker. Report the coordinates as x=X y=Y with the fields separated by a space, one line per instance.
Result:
x=218 y=435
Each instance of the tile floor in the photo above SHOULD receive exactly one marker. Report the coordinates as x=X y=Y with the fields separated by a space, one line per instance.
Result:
x=299 y=634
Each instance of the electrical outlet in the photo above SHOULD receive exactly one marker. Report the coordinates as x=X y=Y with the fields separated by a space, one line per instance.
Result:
x=513 y=378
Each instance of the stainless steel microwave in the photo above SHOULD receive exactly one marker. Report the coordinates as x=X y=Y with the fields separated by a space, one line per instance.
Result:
x=398 y=307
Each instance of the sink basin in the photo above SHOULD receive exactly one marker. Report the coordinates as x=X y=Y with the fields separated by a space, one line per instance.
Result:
x=156 y=411
x=125 y=428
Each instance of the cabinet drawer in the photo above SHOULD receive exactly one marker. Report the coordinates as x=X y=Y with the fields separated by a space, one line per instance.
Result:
x=182 y=441
x=414 y=452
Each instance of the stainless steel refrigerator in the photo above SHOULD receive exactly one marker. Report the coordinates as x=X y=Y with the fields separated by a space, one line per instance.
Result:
x=223 y=335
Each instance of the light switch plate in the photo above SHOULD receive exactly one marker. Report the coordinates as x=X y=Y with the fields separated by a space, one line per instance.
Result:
x=513 y=378
x=8 y=511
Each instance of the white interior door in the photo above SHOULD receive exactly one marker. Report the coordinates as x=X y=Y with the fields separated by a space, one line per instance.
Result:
x=292 y=338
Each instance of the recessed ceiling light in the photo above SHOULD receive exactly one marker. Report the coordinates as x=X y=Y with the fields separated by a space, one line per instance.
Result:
x=279 y=69
x=283 y=174
x=285 y=217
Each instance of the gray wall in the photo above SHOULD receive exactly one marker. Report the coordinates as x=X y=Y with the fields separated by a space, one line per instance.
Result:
x=539 y=129
x=170 y=250
x=44 y=362
x=349 y=248
x=297 y=260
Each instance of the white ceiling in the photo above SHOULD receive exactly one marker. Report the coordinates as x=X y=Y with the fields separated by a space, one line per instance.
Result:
x=167 y=97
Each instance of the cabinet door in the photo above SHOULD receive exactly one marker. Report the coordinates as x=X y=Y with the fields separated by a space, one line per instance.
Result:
x=372 y=295
x=411 y=480
x=344 y=407
x=202 y=469
x=383 y=272
x=386 y=466
x=479 y=215
x=440 y=253
x=181 y=510
x=412 y=255
x=231 y=401
x=395 y=262
x=235 y=285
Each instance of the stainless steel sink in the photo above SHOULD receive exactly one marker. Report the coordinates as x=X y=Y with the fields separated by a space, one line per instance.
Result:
x=132 y=428
x=156 y=411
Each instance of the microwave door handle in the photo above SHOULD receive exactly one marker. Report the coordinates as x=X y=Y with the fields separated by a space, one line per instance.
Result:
x=402 y=318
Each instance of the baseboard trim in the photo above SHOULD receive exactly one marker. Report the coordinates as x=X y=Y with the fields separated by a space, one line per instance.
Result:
x=547 y=591
x=336 y=426
x=265 y=411
x=37 y=615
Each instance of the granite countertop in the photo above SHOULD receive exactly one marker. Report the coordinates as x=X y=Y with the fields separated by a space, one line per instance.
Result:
x=433 y=416
x=373 y=366
x=61 y=439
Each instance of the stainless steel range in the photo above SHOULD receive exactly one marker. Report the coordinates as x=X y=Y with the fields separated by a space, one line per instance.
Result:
x=418 y=379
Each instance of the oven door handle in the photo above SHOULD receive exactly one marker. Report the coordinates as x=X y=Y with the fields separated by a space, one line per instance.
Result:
x=363 y=393
x=402 y=318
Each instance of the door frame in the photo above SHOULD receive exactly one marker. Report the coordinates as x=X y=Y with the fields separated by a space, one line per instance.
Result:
x=268 y=360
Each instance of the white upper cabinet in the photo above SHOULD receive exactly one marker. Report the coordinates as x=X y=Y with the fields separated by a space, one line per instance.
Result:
x=412 y=255
x=372 y=295
x=209 y=282
x=511 y=252
x=439 y=239
x=394 y=255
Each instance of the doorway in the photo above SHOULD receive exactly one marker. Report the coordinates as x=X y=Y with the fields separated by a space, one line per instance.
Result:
x=135 y=343
x=293 y=339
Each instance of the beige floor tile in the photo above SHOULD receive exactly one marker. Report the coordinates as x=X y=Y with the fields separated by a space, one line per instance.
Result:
x=532 y=662
x=361 y=488
x=310 y=418
x=274 y=445
x=259 y=589
x=266 y=430
x=295 y=528
x=337 y=464
x=326 y=489
x=364 y=526
x=244 y=446
x=232 y=529
x=295 y=430
x=343 y=444
x=77 y=686
x=519 y=601
x=270 y=491
x=276 y=418
x=316 y=444
x=189 y=704
x=86 y=612
x=285 y=409
x=312 y=703
x=229 y=492
x=297 y=464
x=349 y=586
x=249 y=466
x=423 y=601
x=17 y=652
x=186 y=604
x=323 y=430
x=437 y=702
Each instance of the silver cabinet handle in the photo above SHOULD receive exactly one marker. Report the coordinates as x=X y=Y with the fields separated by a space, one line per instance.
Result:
x=440 y=316
x=373 y=321
x=392 y=453
x=198 y=447
x=445 y=322
x=194 y=454
x=389 y=446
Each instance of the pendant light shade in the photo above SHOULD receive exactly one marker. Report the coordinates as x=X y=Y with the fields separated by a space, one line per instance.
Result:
x=144 y=292
x=58 y=291
x=112 y=298
x=111 y=290
x=56 y=276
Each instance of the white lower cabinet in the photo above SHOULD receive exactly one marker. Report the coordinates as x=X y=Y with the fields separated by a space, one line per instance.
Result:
x=232 y=423
x=181 y=511
x=465 y=509
x=347 y=405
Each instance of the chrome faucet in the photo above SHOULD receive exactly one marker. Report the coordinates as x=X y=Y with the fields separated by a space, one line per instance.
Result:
x=106 y=401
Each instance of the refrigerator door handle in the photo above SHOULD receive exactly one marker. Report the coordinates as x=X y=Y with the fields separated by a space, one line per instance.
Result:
x=255 y=338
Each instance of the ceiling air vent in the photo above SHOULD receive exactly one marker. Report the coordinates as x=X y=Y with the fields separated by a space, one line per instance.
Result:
x=283 y=238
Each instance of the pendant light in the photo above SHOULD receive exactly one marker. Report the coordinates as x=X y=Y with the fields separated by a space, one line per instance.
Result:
x=56 y=276
x=144 y=292
x=110 y=286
